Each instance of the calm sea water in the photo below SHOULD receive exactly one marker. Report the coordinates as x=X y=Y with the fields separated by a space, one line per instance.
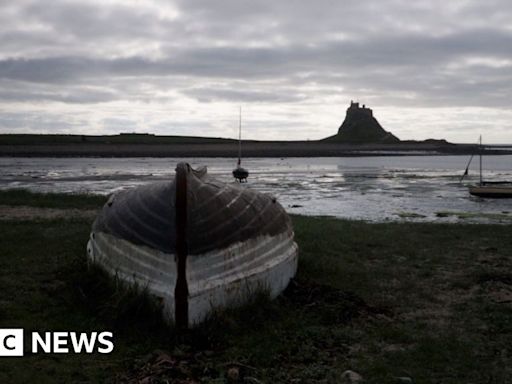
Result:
x=367 y=188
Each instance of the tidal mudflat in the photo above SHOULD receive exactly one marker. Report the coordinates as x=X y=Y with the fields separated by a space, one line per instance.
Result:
x=377 y=189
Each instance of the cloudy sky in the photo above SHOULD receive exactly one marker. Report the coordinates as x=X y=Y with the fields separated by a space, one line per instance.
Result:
x=439 y=69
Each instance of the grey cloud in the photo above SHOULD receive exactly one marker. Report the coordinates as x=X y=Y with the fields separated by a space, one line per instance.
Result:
x=245 y=96
x=39 y=122
x=416 y=64
x=20 y=92
x=282 y=53
x=119 y=124
x=410 y=52
x=83 y=20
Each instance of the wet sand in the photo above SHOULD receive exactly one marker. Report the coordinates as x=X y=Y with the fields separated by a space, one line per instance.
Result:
x=372 y=188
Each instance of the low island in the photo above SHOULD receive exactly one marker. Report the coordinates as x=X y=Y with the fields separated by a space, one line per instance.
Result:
x=360 y=134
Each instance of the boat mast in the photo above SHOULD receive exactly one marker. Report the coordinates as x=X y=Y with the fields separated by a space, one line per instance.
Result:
x=240 y=138
x=480 y=159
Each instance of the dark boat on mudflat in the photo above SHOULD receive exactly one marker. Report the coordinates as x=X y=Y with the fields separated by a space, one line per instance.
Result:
x=487 y=189
x=196 y=243
x=241 y=174
x=494 y=190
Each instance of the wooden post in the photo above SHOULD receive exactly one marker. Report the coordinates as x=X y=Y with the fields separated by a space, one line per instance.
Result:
x=181 y=289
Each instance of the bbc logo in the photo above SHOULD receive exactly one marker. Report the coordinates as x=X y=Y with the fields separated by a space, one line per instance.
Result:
x=11 y=342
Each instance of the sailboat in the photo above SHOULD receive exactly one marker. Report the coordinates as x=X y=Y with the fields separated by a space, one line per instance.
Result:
x=239 y=172
x=488 y=189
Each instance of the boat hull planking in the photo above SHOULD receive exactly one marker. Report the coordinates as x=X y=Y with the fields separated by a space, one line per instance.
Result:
x=219 y=279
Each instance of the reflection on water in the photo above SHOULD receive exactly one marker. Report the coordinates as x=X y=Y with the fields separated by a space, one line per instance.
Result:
x=368 y=188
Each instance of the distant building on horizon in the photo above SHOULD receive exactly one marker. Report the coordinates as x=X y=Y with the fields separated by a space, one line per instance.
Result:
x=136 y=134
x=360 y=127
x=354 y=108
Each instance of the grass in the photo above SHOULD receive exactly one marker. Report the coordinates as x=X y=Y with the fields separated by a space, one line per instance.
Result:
x=418 y=300
x=17 y=197
x=504 y=216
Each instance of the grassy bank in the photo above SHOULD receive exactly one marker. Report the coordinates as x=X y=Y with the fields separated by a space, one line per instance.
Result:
x=24 y=197
x=427 y=302
x=127 y=138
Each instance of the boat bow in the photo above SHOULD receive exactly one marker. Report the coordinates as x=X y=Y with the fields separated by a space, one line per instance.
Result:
x=195 y=242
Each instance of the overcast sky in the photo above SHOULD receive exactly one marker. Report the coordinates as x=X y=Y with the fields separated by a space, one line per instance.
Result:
x=429 y=69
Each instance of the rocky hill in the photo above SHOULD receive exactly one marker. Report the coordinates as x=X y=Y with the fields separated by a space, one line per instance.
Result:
x=361 y=127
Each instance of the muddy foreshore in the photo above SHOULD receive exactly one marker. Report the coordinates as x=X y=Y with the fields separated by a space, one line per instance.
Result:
x=250 y=149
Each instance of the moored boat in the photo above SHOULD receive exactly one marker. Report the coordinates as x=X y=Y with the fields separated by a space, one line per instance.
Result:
x=487 y=189
x=196 y=243
x=492 y=190
x=239 y=173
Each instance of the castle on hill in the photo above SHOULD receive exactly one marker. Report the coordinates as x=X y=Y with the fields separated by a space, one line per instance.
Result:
x=360 y=127
x=355 y=109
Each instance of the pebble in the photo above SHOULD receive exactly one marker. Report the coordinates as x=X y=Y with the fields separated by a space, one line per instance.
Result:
x=233 y=374
x=352 y=377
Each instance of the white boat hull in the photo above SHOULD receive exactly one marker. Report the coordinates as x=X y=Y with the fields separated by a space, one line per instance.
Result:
x=218 y=279
x=196 y=243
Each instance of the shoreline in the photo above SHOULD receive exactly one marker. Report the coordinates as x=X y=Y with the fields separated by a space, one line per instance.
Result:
x=26 y=203
x=250 y=149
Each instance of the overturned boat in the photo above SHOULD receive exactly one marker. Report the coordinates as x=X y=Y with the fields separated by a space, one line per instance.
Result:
x=196 y=243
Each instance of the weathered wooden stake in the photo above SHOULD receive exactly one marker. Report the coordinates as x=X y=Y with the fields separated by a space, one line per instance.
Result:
x=181 y=289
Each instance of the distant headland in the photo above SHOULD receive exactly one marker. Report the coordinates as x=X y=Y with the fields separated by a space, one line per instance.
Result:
x=360 y=127
x=360 y=134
